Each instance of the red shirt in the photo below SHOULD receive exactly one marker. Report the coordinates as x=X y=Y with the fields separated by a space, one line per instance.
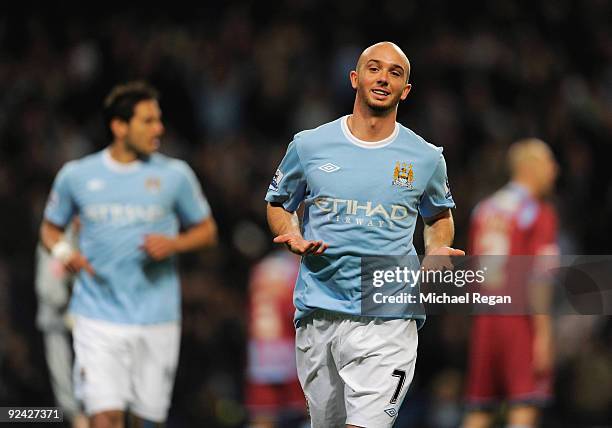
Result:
x=513 y=223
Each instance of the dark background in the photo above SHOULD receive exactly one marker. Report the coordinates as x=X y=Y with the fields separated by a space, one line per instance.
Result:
x=238 y=79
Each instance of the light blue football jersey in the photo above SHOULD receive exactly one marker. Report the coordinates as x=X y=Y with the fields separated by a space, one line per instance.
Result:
x=362 y=199
x=119 y=204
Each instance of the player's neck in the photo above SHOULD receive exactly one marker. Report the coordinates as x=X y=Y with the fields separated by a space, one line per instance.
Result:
x=369 y=127
x=122 y=154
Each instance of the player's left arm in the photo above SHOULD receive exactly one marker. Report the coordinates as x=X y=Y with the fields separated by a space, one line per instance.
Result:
x=198 y=236
x=435 y=208
x=192 y=210
x=439 y=233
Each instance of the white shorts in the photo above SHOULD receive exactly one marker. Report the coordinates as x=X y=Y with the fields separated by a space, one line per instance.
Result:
x=355 y=370
x=121 y=366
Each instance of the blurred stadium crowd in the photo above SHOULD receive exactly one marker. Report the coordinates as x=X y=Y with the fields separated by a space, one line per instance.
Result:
x=237 y=81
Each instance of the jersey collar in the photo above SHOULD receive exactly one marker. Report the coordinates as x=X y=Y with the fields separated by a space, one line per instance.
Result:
x=120 y=167
x=367 y=144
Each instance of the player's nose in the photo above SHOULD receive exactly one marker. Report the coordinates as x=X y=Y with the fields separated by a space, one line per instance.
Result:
x=383 y=78
x=159 y=129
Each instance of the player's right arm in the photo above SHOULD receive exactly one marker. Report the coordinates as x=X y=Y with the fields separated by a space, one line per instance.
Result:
x=286 y=228
x=285 y=194
x=546 y=251
x=59 y=211
x=52 y=238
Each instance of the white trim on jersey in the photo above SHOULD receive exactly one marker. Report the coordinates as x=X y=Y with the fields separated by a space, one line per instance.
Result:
x=115 y=166
x=367 y=144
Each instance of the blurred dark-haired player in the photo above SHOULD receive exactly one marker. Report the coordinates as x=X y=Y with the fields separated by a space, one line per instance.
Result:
x=511 y=357
x=126 y=301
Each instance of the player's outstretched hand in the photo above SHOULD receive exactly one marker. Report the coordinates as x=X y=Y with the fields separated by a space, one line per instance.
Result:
x=300 y=246
x=159 y=247
x=446 y=251
x=77 y=262
x=441 y=258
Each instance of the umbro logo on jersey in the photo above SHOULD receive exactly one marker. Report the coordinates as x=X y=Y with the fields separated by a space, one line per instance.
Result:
x=329 y=167
x=391 y=412
x=95 y=184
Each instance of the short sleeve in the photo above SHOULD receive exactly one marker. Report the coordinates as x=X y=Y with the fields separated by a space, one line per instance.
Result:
x=61 y=206
x=288 y=185
x=191 y=205
x=437 y=195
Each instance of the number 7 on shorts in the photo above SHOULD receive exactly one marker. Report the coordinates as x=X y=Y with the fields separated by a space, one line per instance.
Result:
x=401 y=374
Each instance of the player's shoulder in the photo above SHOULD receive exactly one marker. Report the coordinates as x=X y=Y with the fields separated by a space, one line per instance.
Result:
x=533 y=211
x=86 y=163
x=487 y=206
x=408 y=136
x=171 y=165
x=502 y=201
x=320 y=133
x=480 y=208
x=309 y=141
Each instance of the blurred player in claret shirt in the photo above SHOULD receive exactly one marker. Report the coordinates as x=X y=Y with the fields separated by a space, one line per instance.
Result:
x=274 y=396
x=512 y=356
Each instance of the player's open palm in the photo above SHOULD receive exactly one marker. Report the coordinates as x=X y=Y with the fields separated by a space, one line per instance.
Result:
x=440 y=258
x=300 y=246
x=159 y=247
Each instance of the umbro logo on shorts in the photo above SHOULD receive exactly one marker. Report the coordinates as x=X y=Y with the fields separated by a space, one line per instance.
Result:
x=329 y=167
x=392 y=412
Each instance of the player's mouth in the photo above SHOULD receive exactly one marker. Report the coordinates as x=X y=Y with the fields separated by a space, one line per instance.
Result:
x=155 y=143
x=380 y=93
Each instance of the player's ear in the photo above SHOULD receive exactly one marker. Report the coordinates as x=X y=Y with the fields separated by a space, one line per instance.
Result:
x=119 y=128
x=406 y=91
x=354 y=79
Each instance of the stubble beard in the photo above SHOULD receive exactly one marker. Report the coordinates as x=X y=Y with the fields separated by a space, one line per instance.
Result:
x=380 y=110
x=139 y=153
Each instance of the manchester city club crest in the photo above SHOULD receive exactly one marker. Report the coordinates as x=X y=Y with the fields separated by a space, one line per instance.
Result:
x=153 y=184
x=403 y=175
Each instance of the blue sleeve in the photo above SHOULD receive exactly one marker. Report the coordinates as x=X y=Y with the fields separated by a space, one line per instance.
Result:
x=61 y=206
x=437 y=195
x=191 y=204
x=288 y=185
